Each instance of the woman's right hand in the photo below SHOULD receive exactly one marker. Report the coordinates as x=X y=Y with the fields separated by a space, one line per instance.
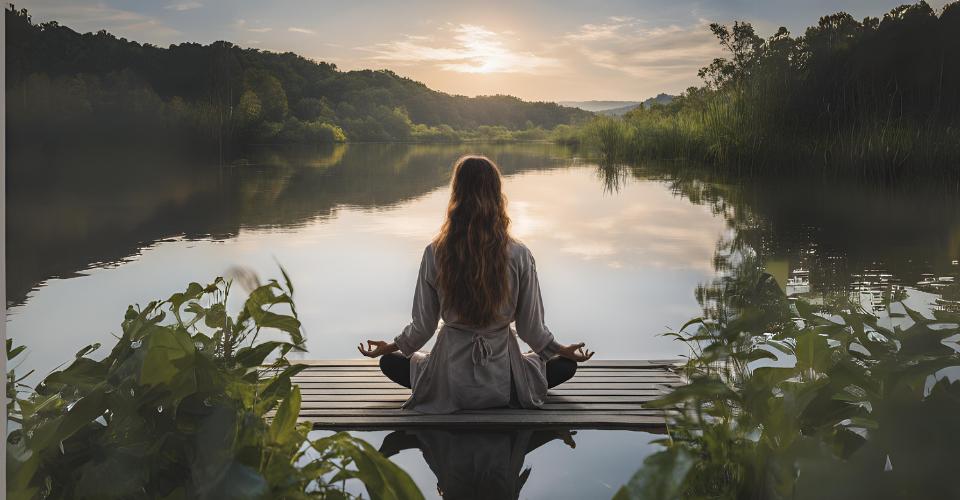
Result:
x=377 y=348
x=575 y=352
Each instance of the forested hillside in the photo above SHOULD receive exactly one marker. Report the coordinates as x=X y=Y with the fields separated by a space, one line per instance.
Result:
x=877 y=98
x=63 y=86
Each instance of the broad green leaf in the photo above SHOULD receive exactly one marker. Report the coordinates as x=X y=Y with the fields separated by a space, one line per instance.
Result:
x=661 y=477
x=383 y=479
x=163 y=349
x=284 y=422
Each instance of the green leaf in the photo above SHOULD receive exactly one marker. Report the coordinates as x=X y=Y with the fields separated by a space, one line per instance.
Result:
x=12 y=353
x=383 y=479
x=286 y=279
x=164 y=348
x=699 y=389
x=87 y=350
x=81 y=414
x=284 y=423
x=284 y=323
x=757 y=354
x=254 y=356
x=661 y=477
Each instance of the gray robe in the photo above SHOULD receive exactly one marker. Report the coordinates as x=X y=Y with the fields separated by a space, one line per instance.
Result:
x=471 y=368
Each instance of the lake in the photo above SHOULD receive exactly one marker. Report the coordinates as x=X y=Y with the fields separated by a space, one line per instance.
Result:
x=623 y=253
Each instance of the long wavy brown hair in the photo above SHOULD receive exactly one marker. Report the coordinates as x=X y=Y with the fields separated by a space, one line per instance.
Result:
x=471 y=249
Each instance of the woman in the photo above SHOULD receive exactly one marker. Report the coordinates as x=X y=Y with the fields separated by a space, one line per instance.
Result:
x=478 y=280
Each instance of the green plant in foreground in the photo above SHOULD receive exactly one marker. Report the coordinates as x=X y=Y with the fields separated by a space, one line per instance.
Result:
x=183 y=407
x=788 y=400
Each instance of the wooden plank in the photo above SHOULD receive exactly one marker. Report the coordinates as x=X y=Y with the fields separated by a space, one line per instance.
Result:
x=372 y=368
x=391 y=388
x=577 y=379
x=394 y=412
x=556 y=391
x=313 y=405
x=488 y=421
x=549 y=399
x=633 y=374
x=610 y=370
x=565 y=386
x=611 y=366
x=354 y=394
x=606 y=363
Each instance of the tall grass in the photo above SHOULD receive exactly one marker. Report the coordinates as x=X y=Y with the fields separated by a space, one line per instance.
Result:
x=873 y=99
x=745 y=136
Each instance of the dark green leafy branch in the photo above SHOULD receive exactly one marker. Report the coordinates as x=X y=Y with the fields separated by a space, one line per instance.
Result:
x=187 y=404
x=786 y=399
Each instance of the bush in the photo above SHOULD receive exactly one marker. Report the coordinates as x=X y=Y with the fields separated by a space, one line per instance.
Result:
x=183 y=407
x=791 y=400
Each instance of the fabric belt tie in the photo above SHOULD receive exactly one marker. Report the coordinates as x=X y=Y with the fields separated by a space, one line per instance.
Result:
x=480 y=351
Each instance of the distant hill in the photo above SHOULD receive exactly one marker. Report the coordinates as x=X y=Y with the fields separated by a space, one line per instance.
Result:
x=616 y=108
x=86 y=87
x=659 y=99
x=597 y=106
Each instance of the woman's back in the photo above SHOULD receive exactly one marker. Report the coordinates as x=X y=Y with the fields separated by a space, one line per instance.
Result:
x=480 y=281
x=478 y=366
x=519 y=264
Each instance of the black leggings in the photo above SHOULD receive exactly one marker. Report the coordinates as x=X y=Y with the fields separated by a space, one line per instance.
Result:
x=397 y=368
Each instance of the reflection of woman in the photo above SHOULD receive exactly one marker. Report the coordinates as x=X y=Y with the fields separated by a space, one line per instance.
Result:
x=475 y=464
x=479 y=280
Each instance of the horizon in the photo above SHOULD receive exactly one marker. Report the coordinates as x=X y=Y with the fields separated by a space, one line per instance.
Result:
x=568 y=53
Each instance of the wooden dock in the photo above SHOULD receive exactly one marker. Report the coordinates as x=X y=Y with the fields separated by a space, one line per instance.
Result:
x=353 y=394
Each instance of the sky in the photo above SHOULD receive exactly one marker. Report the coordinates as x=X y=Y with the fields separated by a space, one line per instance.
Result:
x=549 y=50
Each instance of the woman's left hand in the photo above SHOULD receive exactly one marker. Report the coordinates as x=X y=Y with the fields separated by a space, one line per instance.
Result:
x=377 y=348
x=575 y=352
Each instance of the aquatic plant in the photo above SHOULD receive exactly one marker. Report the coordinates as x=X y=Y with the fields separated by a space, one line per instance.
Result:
x=191 y=402
x=786 y=399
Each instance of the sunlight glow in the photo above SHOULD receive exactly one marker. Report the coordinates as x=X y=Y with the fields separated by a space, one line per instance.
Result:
x=474 y=49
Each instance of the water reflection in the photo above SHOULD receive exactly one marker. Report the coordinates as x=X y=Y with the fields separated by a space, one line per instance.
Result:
x=519 y=463
x=99 y=208
x=475 y=464
x=621 y=258
x=826 y=241
x=348 y=224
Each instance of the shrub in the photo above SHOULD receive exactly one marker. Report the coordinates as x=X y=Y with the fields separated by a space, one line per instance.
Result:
x=183 y=406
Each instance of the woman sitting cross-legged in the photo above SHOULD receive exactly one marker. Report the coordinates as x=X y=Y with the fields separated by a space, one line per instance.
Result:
x=479 y=280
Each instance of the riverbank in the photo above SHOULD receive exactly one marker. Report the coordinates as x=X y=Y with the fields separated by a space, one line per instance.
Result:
x=873 y=100
x=721 y=139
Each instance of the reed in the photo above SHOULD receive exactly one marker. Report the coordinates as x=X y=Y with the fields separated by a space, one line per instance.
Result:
x=875 y=107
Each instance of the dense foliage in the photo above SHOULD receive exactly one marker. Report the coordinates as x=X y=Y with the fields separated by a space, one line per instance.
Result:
x=64 y=85
x=179 y=409
x=786 y=399
x=877 y=98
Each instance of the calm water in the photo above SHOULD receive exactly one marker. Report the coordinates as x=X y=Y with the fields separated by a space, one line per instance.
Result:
x=620 y=252
x=349 y=225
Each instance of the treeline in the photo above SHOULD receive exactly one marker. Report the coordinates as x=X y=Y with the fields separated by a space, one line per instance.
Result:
x=877 y=98
x=63 y=85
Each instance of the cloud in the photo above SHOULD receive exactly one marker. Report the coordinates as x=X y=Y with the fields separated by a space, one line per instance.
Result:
x=241 y=24
x=182 y=6
x=304 y=31
x=627 y=45
x=467 y=48
x=97 y=16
